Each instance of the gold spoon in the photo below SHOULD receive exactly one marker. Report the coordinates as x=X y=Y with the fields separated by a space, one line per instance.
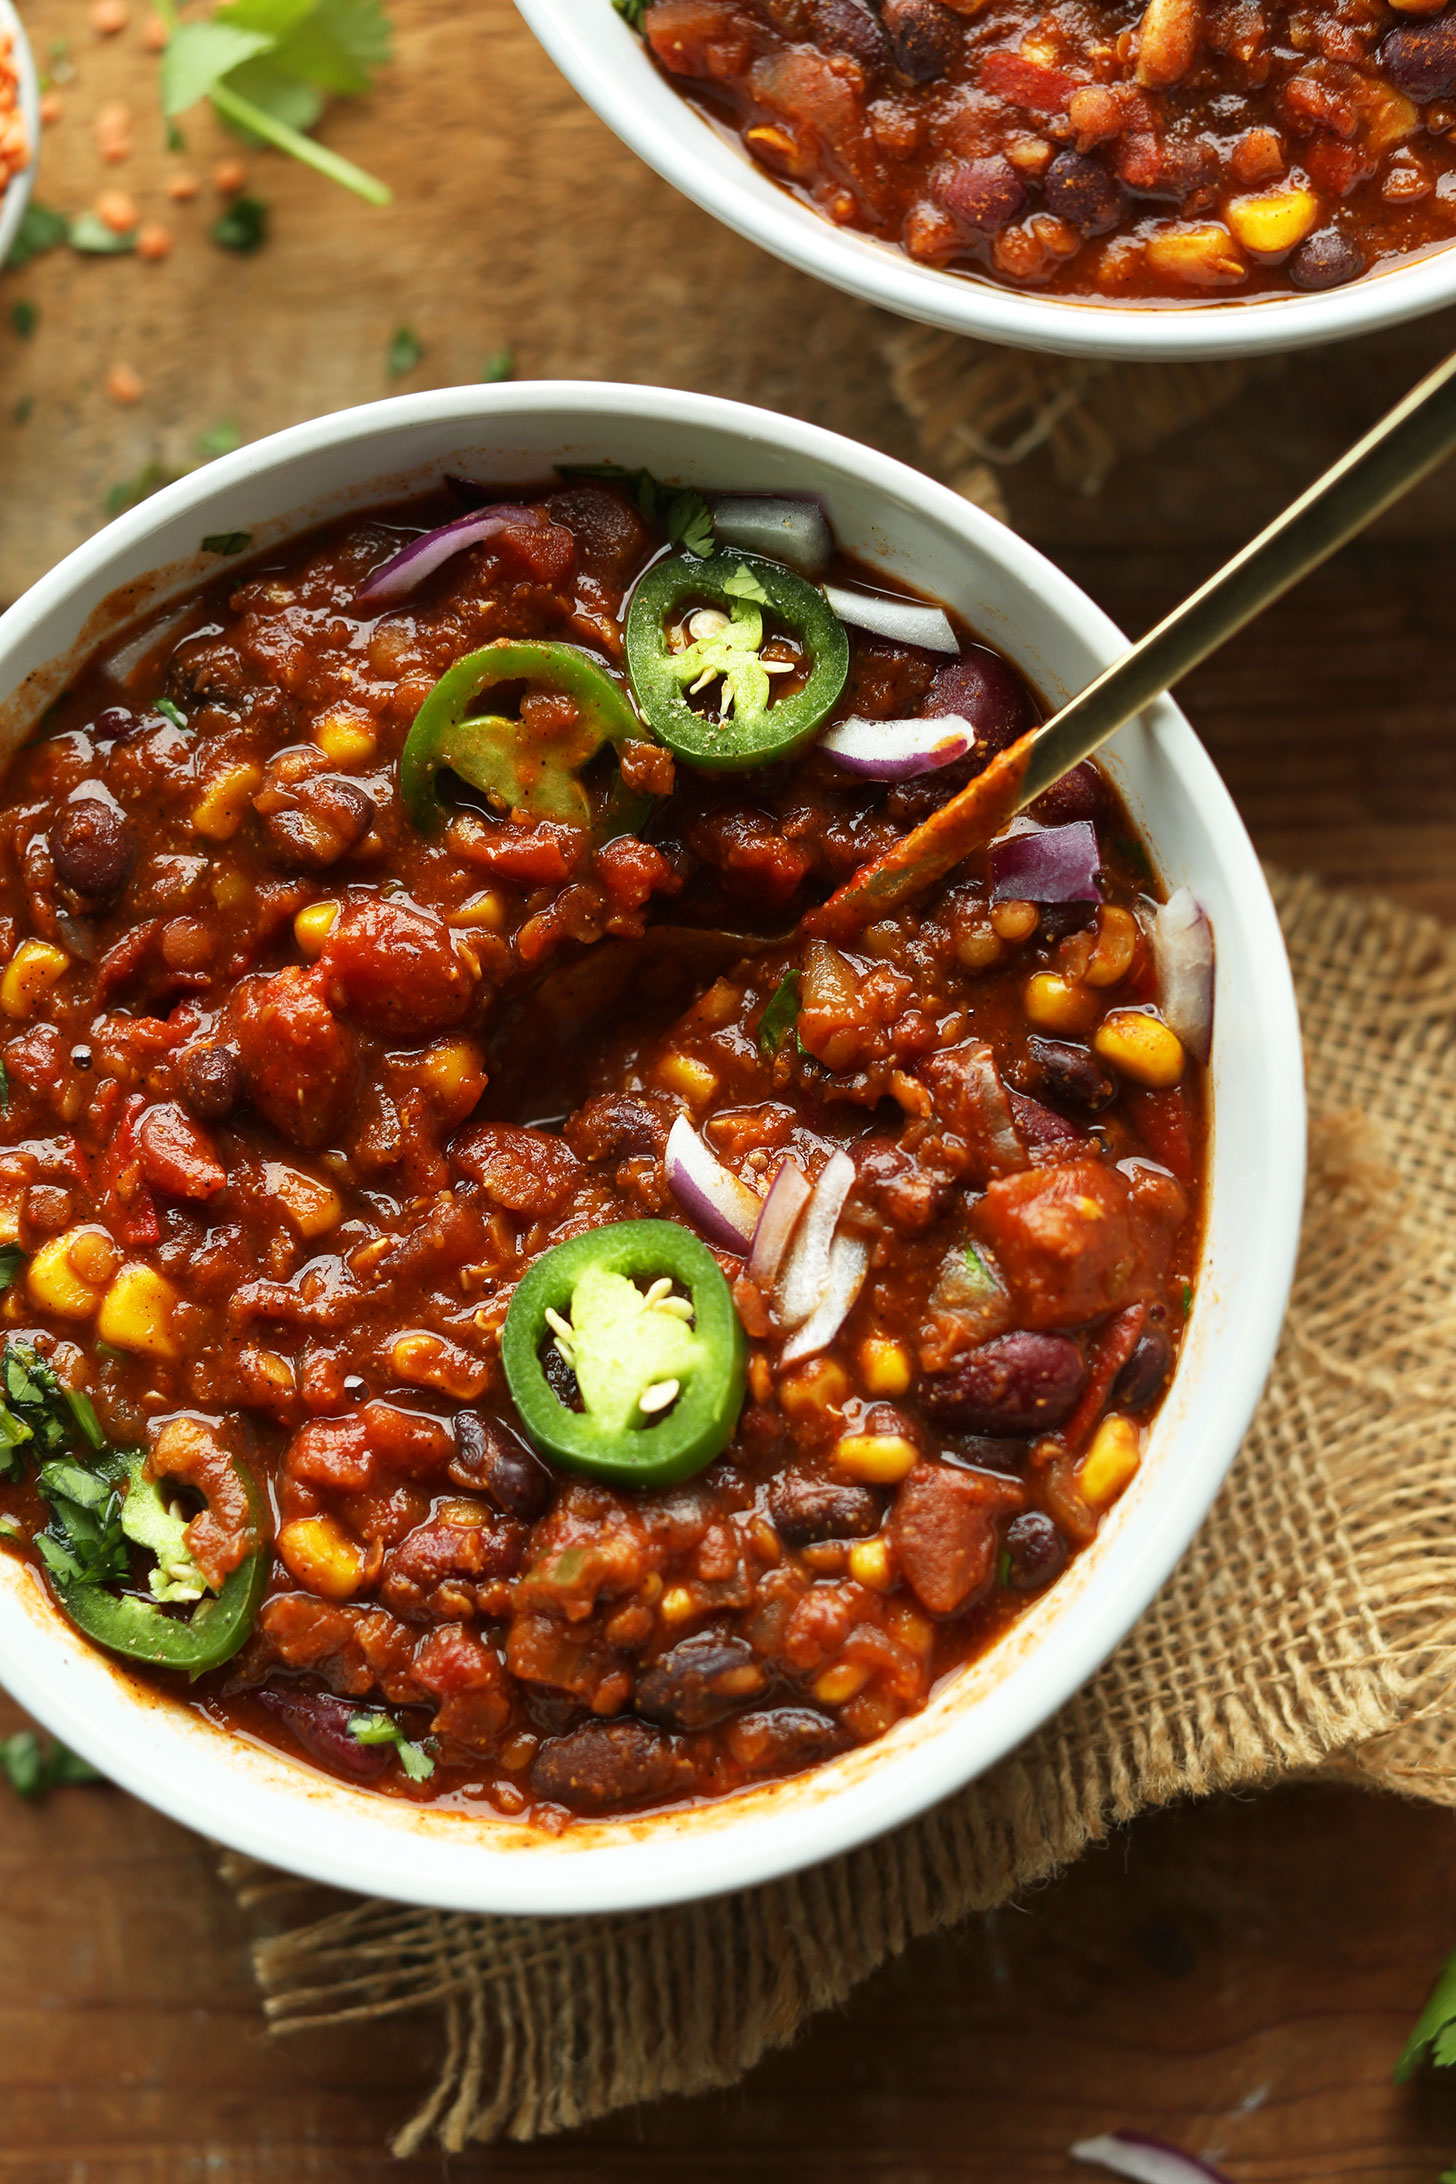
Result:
x=1392 y=457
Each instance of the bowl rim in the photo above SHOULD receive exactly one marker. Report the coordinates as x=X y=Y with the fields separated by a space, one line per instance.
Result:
x=17 y=193
x=588 y=41
x=286 y=1815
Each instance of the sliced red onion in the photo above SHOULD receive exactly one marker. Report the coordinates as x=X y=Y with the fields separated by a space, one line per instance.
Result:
x=795 y=531
x=788 y=1195
x=1146 y=2160
x=849 y=1258
x=907 y=621
x=399 y=576
x=804 y=1276
x=711 y=1196
x=1047 y=864
x=1183 y=951
x=897 y=750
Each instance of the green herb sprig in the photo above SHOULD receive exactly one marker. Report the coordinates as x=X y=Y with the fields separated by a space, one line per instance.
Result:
x=32 y=1768
x=370 y=1729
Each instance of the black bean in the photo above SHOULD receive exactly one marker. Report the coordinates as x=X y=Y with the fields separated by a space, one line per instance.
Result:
x=210 y=1079
x=1146 y=1371
x=491 y=1459
x=1060 y=918
x=1326 y=260
x=782 y=1739
x=93 y=849
x=847 y=26
x=1080 y=191
x=1021 y=1383
x=1420 y=58
x=925 y=37
x=1035 y=1550
x=806 y=1510
x=1071 y=1073
x=700 y=1682
x=607 y=1763
x=985 y=194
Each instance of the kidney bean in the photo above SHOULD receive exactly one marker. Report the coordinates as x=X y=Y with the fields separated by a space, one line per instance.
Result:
x=1078 y=795
x=925 y=37
x=1021 y=1383
x=210 y=1079
x=609 y=1763
x=807 y=1510
x=700 y=1681
x=112 y=723
x=984 y=690
x=320 y=1723
x=1042 y=1129
x=782 y=1739
x=1080 y=191
x=324 y=819
x=847 y=26
x=1071 y=1073
x=1035 y=1550
x=1325 y=260
x=489 y=1458
x=1146 y=1371
x=93 y=849
x=985 y=194
x=1420 y=59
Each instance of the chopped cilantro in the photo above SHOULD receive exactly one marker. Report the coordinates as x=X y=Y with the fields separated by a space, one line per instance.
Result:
x=1003 y=1569
x=631 y=11
x=380 y=1729
x=11 y=1528
x=131 y=492
x=1187 y=1299
x=171 y=711
x=244 y=226
x=4 y=1090
x=780 y=1015
x=219 y=439
x=680 y=511
x=227 y=542
x=94 y=239
x=499 y=365
x=1433 y=2036
x=24 y=318
x=406 y=350
x=12 y=1259
x=31 y=1768
x=41 y=229
x=21 y=414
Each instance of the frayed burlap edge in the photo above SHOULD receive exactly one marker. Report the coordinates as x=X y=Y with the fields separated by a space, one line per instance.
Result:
x=1311 y=1626
x=979 y=410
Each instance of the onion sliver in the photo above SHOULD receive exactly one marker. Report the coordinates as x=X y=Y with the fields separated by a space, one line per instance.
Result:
x=1183 y=951
x=849 y=1258
x=804 y=1276
x=897 y=750
x=1146 y=2160
x=795 y=531
x=788 y=1195
x=713 y=1199
x=1047 y=864
x=908 y=621
x=409 y=568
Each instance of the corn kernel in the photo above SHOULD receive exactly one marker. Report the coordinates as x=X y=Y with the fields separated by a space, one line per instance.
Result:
x=720 y=1004
x=691 y=1079
x=223 y=804
x=870 y=1565
x=451 y=1065
x=884 y=1366
x=313 y=1207
x=1271 y=222
x=31 y=972
x=1014 y=920
x=320 y=1554
x=1140 y=1047
x=1114 y=947
x=878 y=1459
x=777 y=149
x=676 y=1604
x=819 y=1386
x=1203 y=257
x=487 y=909
x=136 y=1313
x=230 y=888
x=913 y=1629
x=1110 y=1463
x=1054 y=1003
x=312 y=927
x=57 y=1285
x=428 y=1361
x=840 y=1682
x=345 y=741
x=760 y=1378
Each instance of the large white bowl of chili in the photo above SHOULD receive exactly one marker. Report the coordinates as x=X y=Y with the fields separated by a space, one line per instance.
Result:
x=248 y=1794
x=703 y=156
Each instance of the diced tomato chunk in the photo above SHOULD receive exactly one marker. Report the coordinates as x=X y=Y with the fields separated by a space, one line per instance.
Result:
x=1063 y=1239
x=397 y=968
x=301 y=1063
x=178 y=1159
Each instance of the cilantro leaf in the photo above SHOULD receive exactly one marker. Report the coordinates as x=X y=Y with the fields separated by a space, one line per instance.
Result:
x=130 y=492
x=780 y=1015
x=285 y=99
x=41 y=229
x=339 y=45
x=219 y=439
x=499 y=365
x=24 y=318
x=227 y=542
x=94 y=239
x=632 y=12
x=199 y=55
x=243 y=227
x=12 y=1259
x=4 y=1090
x=31 y=1768
x=1433 y=2036
x=171 y=711
x=679 y=510
x=370 y=1729
x=406 y=350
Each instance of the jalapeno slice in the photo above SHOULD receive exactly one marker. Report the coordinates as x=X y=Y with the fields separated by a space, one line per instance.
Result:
x=724 y=655
x=535 y=772
x=641 y=1314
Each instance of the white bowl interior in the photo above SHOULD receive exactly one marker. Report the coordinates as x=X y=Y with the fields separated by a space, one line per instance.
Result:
x=17 y=196
x=606 y=63
x=260 y=1803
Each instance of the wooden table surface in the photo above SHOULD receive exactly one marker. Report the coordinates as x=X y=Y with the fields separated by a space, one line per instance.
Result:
x=1238 y=1975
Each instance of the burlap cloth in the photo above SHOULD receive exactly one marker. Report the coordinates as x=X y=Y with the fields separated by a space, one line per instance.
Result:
x=1311 y=1626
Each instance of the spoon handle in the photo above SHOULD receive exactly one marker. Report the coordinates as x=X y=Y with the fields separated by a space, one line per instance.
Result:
x=1392 y=457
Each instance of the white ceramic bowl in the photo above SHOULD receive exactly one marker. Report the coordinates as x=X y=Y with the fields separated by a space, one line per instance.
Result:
x=261 y=1803
x=606 y=62
x=16 y=196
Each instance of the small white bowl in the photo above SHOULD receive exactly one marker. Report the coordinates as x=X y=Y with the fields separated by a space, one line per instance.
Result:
x=261 y=1803
x=15 y=198
x=608 y=65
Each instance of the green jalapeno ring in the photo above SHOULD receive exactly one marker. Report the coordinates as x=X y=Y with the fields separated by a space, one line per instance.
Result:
x=702 y=1419
x=538 y=777
x=761 y=737
x=137 y=1628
